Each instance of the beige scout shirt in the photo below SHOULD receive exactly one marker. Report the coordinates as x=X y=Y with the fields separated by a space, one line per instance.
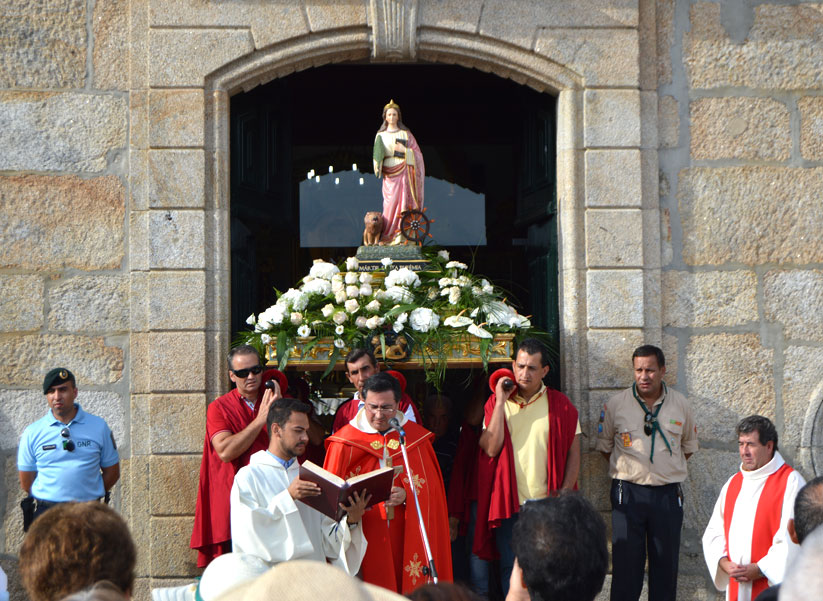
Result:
x=620 y=432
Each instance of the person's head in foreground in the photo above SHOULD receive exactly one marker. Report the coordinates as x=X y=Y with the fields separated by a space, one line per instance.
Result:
x=560 y=546
x=223 y=574
x=101 y=591
x=442 y=591
x=804 y=579
x=72 y=546
x=302 y=580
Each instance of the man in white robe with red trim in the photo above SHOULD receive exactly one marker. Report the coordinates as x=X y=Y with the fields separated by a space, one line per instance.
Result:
x=746 y=545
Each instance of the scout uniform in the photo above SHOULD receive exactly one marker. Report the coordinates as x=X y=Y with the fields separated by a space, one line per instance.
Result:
x=647 y=464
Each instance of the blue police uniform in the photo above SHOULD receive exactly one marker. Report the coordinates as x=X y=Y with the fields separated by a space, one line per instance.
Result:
x=64 y=475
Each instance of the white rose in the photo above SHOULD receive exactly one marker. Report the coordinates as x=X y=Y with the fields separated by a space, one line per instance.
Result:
x=265 y=338
x=373 y=306
x=402 y=318
x=398 y=327
x=318 y=286
x=339 y=330
x=365 y=290
x=351 y=306
x=323 y=270
x=456 y=265
x=339 y=343
x=360 y=322
x=352 y=264
x=399 y=294
x=250 y=320
x=386 y=261
x=444 y=282
x=296 y=318
x=366 y=278
x=402 y=277
x=351 y=277
x=423 y=319
x=327 y=310
x=308 y=279
x=374 y=322
x=443 y=254
x=352 y=291
x=340 y=317
x=340 y=297
x=303 y=331
x=478 y=331
x=380 y=295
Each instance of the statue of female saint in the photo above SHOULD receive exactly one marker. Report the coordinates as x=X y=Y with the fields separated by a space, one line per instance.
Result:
x=398 y=160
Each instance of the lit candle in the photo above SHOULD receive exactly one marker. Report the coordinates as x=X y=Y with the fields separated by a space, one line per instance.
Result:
x=354 y=166
x=331 y=169
x=336 y=180
x=317 y=178
x=361 y=181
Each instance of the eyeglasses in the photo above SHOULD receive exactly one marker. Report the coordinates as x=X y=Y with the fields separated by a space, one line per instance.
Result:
x=68 y=444
x=244 y=373
x=648 y=426
x=381 y=408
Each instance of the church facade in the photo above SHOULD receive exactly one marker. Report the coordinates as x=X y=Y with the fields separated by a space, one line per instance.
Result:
x=689 y=176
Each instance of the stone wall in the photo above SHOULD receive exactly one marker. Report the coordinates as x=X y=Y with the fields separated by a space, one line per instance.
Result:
x=689 y=170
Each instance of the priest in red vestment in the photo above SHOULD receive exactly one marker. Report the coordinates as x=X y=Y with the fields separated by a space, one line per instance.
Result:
x=235 y=430
x=395 y=558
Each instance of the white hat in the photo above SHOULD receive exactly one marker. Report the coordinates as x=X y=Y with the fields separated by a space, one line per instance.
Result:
x=224 y=573
x=303 y=580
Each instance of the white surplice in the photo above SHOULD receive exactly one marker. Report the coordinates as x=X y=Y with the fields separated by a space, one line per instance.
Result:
x=268 y=523
x=774 y=563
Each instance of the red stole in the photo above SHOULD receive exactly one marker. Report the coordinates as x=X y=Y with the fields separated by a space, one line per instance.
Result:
x=211 y=516
x=498 y=499
x=766 y=521
x=351 y=451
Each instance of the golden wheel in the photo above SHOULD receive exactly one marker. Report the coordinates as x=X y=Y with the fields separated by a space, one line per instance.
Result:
x=414 y=225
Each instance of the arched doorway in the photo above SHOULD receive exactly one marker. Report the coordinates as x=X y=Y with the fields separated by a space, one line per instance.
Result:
x=489 y=147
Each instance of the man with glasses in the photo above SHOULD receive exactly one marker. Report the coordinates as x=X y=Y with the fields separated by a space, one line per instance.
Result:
x=647 y=432
x=235 y=430
x=395 y=557
x=67 y=455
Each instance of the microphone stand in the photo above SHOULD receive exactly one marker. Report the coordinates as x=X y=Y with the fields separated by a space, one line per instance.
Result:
x=429 y=557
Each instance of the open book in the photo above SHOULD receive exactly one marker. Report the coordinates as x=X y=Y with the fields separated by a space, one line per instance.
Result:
x=335 y=490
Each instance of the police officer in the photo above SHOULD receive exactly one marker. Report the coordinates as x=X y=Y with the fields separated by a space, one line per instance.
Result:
x=647 y=432
x=67 y=455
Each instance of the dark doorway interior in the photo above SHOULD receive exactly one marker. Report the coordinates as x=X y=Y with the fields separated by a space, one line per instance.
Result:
x=478 y=131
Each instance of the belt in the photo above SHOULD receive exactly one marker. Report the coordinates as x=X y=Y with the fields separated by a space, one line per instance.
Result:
x=661 y=486
x=41 y=504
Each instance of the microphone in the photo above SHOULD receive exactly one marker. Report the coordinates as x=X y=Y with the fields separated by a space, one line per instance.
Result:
x=508 y=384
x=395 y=425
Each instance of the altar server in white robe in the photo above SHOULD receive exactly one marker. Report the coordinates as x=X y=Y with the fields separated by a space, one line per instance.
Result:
x=267 y=519
x=746 y=544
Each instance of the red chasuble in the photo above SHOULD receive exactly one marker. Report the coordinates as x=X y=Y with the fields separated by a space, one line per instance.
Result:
x=766 y=521
x=498 y=498
x=211 y=516
x=395 y=555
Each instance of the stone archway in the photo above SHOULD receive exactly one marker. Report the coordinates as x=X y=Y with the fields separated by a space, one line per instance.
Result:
x=811 y=442
x=186 y=64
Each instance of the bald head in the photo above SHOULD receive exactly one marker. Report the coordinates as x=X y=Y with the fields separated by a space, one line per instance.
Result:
x=808 y=509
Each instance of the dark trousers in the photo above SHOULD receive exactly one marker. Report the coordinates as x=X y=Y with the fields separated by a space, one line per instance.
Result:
x=645 y=517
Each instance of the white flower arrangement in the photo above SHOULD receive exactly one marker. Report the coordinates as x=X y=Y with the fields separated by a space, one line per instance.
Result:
x=348 y=308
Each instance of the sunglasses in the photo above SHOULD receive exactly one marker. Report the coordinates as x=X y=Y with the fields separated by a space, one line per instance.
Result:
x=648 y=427
x=68 y=444
x=244 y=373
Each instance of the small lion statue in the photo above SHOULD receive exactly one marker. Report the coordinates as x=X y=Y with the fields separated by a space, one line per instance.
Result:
x=374 y=226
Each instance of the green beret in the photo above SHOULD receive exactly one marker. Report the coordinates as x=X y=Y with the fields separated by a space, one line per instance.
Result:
x=56 y=377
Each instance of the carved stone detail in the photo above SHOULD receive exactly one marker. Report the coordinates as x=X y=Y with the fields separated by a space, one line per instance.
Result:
x=394 y=29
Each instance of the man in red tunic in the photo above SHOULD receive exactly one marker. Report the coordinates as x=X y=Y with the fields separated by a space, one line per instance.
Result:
x=235 y=430
x=531 y=444
x=395 y=557
x=360 y=366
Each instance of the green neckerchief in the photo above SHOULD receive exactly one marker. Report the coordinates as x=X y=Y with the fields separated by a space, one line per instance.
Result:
x=655 y=424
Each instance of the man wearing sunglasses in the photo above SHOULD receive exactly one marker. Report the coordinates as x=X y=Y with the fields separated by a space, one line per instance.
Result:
x=235 y=430
x=647 y=432
x=67 y=455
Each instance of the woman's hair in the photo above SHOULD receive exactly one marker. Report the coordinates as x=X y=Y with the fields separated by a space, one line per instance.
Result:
x=385 y=125
x=72 y=546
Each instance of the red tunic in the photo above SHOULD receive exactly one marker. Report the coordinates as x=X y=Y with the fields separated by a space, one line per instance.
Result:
x=229 y=413
x=395 y=554
x=498 y=499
